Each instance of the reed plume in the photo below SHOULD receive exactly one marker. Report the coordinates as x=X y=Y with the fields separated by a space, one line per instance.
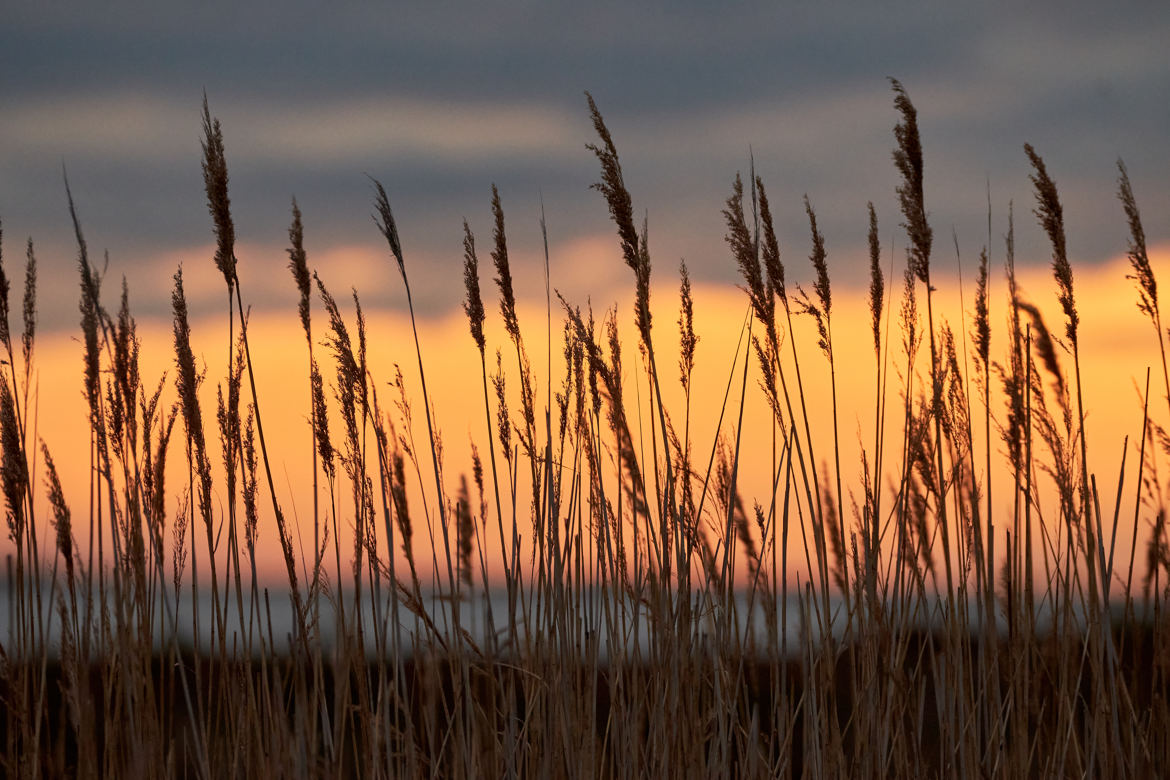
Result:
x=28 y=336
x=877 y=284
x=13 y=468
x=503 y=420
x=187 y=378
x=744 y=250
x=770 y=247
x=5 y=288
x=609 y=661
x=401 y=507
x=1143 y=274
x=473 y=304
x=299 y=265
x=215 y=181
x=251 y=511
x=982 y=335
x=1051 y=215
x=821 y=310
x=90 y=306
x=384 y=219
x=621 y=210
x=464 y=532
x=61 y=519
x=321 y=420
x=688 y=339
x=503 y=269
x=908 y=160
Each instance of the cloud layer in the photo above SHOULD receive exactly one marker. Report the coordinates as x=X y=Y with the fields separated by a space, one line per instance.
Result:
x=444 y=99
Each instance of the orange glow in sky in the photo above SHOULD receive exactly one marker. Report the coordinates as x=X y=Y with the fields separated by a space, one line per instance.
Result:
x=1117 y=347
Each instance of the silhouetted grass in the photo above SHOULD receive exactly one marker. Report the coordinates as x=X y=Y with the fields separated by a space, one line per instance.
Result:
x=646 y=624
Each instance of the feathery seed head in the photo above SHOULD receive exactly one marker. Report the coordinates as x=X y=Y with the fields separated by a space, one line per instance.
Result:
x=321 y=420
x=477 y=475
x=911 y=335
x=821 y=312
x=743 y=248
x=686 y=326
x=819 y=260
x=1044 y=345
x=771 y=248
x=621 y=210
x=613 y=188
x=384 y=219
x=13 y=467
x=299 y=265
x=464 y=531
x=503 y=420
x=251 y=512
x=1051 y=215
x=187 y=380
x=504 y=271
x=61 y=518
x=215 y=181
x=5 y=337
x=30 y=307
x=1143 y=274
x=91 y=312
x=982 y=320
x=473 y=305
x=908 y=160
x=877 y=285
x=595 y=364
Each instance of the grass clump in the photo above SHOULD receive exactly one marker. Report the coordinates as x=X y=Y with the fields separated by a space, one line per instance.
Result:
x=648 y=619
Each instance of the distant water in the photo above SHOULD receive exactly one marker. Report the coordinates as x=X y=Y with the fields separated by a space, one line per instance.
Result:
x=581 y=620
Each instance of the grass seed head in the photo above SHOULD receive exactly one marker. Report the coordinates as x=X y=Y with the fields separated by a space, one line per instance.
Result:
x=473 y=304
x=877 y=285
x=1143 y=274
x=982 y=334
x=908 y=160
x=5 y=287
x=28 y=337
x=688 y=339
x=321 y=420
x=821 y=311
x=384 y=219
x=187 y=379
x=770 y=247
x=613 y=188
x=503 y=269
x=743 y=249
x=1051 y=215
x=13 y=464
x=215 y=182
x=503 y=419
x=464 y=531
x=299 y=265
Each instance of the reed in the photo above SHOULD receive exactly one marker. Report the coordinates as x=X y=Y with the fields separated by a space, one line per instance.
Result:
x=615 y=603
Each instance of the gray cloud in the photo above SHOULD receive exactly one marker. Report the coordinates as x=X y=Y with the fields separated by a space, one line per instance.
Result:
x=441 y=100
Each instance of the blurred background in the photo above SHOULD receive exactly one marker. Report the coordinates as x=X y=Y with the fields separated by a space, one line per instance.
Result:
x=440 y=100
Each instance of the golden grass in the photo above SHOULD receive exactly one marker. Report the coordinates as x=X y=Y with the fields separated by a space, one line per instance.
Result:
x=600 y=599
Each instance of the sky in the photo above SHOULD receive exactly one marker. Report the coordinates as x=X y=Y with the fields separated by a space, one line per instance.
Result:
x=439 y=101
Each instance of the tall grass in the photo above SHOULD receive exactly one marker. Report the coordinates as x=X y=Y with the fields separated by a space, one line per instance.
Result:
x=646 y=619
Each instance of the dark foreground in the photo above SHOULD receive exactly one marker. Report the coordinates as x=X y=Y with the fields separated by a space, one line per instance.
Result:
x=702 y=714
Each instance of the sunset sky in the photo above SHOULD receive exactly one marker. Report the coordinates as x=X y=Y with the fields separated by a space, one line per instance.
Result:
x=442 y=100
